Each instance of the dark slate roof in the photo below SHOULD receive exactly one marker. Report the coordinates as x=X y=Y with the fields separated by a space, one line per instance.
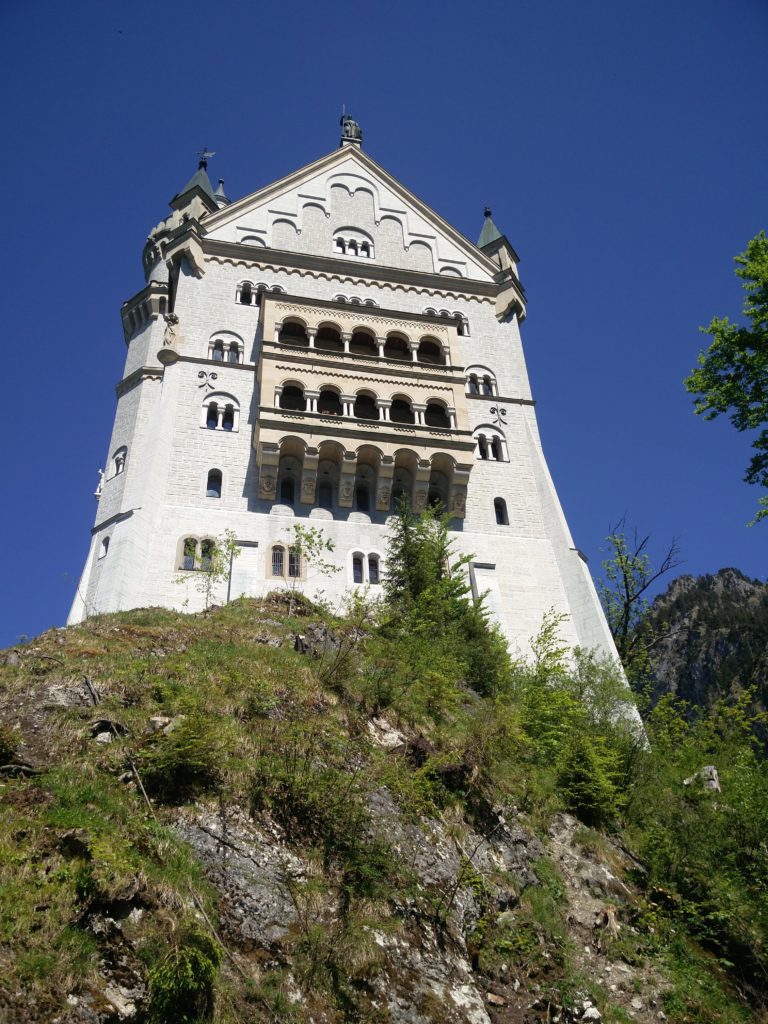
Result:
x=199 y=180
x=489 y=233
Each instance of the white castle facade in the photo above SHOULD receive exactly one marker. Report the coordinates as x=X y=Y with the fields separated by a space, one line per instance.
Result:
x=308 y=354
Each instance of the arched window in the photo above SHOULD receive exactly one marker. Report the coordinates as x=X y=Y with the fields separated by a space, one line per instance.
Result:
x=396 y=347
x=363 y=344
x=373 y=570
x=487 y=385
x=228 y=421
x=328 y=339
x=293 y=333
x=220 y=412
x=357 y=568
x=207 y=549
x=496 y=449
x=500 y=510
x=217 y=351
x=118 y=461
x=340 y=246
x=482 y=446
x=233 y=356
x=188 y=553
x=294 y=563
x=365 y=249
x=436 y=416
x=213 y=486
x=430 y=351
x=287 y=491
x=278 y=561
x=246 y=293
x=325 y=494
x=104 y=548
x=434 y=498
x=329 y=403
x=401 y=411
x=212 y=417
x=292 y=398
x=474 y=388
x=352 y=247
x=365 y=407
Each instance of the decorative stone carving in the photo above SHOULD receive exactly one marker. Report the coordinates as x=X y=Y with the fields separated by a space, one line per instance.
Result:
x=206 y=379
x=99 y=485
x=499 y=415
x=169 y=335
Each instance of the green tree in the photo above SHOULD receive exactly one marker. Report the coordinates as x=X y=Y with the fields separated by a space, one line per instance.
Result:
x=309 y=547
x=628 y=574
x=732 y=375
x=215 y=567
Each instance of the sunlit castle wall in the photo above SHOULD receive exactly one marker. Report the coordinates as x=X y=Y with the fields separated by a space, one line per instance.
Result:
x=308 y=354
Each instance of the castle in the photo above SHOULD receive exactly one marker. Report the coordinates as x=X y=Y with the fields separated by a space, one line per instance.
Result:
x=309 y=354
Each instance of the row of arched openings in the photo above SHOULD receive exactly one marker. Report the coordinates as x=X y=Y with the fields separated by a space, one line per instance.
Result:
x=328 y=338
x=366 y=406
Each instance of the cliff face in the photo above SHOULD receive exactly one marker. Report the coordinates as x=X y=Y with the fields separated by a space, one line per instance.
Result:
x=197 y=823
x=713 y=638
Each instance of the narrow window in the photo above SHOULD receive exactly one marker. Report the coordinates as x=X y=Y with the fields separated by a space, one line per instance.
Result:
x=104 y=547
x=496 y=449
x=246 y=294
x=213 y=487
x=278 y=561
x=459 y=326
x=340 y=245
x=217 y=353
x=294 y=563
x=362 y=498
x=487 y=386
x=352 y=247
x=500 y=508
x=119 y=462
x=287 y=491
x=373 y=570
x=212 y=417
x=365 y=249
x=357 y=569
x=325 y=494
x=228 y=422
x=234 y=353
x=189 y=552
x=206 y=555
x=482 y=446
x=473 y=387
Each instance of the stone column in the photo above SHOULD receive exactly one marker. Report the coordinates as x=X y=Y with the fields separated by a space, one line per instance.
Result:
x=268 y=459
x=421 y=485
x=220 y=417
x=348 y=404
x=419 y=410
x=384 y=405
x=452 y=416
x=414 y=347
x=384 y=489
x=346 y=337
x=278 y=394
x=278 y=328
x=380 y=343
x=347 y=479
x=309 y=477
x=311 y=334
x=311 y=397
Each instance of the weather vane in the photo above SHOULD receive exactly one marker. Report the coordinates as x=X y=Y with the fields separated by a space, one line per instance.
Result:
x=205 y=155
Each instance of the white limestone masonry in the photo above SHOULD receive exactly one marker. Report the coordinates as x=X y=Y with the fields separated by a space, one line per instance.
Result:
x=306 y=354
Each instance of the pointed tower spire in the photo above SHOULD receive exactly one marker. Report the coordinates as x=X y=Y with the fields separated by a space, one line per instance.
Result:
x=220 y=196
x=199 y=181
x=490 y=232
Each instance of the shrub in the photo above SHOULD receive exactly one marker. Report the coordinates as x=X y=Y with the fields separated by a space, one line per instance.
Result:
x=584 y=781
x=184 y=763
x=181 y=986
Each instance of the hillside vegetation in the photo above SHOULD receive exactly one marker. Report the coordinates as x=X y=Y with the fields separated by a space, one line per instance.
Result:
x=251 y=815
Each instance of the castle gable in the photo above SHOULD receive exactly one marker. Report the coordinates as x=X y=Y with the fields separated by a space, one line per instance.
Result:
x=345 y=206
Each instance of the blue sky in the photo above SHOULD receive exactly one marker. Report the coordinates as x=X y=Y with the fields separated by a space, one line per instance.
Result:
x=622 y=147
